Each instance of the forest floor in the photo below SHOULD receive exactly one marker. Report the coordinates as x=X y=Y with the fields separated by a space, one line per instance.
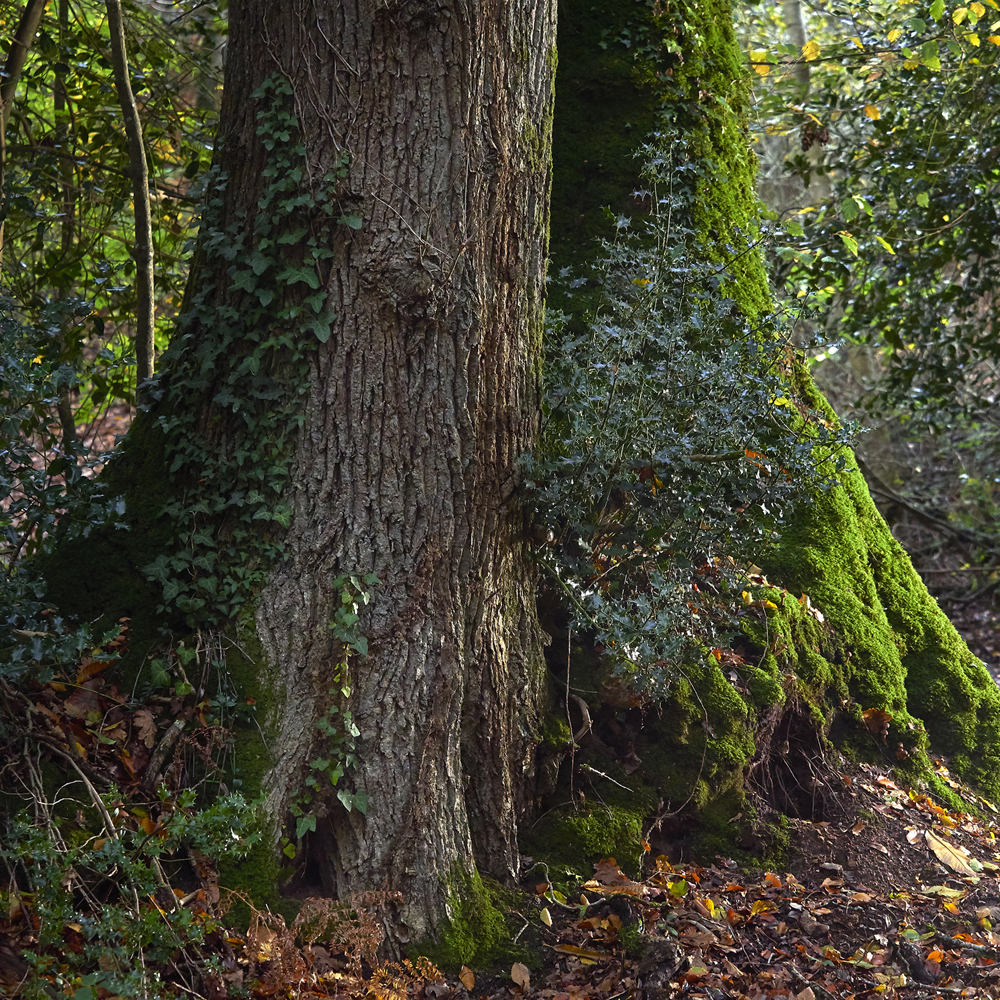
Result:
x=893 y=894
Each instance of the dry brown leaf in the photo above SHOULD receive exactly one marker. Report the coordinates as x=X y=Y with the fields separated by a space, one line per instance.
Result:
x=519 y=973
x=607 y=872
x=145 y=726
x=468 y=977
x=947 y=854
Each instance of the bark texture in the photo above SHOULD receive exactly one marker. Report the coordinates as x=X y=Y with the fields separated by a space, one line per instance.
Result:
x=418 y=409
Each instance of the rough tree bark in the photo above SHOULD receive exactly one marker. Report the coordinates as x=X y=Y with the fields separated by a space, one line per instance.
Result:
x=417 y=411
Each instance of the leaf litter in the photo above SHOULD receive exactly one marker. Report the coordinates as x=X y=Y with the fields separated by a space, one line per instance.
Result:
x=898 y=897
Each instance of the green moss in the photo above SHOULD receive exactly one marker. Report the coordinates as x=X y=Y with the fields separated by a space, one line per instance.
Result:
x=901 y=653
x=475 y=932
x=256 y=875
x=572 y=841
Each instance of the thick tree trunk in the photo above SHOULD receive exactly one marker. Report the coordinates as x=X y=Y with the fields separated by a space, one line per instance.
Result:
x=418 y=409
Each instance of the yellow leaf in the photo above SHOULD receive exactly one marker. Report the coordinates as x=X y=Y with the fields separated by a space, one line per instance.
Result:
x=977 y=8
x=886 y=244
x=572 y=949
x=894 y=34
x=972 y=38
x=546 y=919
x=911 y=64
x=810 y=51
x=857 y=41
x=468 y=977
x=758 y=59
x=947 y=854
x=959 y=14
x=640 y=281
x=872 y=112
x=993 y=39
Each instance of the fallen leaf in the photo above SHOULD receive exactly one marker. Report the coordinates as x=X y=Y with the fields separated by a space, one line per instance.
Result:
x=519 y=973
x=947 y=854
x=546 y=919
x=468 y=977
x=145 y=725
x=943 y=890
x=572 y=949
x=607 y=872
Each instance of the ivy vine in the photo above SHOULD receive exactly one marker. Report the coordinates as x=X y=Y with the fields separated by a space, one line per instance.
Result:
x=244 y=348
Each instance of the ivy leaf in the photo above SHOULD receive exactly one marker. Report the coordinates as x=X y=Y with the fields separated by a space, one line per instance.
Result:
x=259 y=263
x=352 y=221
x=304 y=824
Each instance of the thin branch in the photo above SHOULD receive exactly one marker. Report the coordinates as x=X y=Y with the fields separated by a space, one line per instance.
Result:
x=20 y=45
x=142 y=252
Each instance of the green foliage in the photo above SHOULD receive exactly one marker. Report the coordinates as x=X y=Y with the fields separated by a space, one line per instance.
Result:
x=672 y=450
x=108 y=891
x=68 y=215
x=901 y=118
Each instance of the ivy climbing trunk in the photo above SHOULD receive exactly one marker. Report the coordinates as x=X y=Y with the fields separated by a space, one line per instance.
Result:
x=418 y=408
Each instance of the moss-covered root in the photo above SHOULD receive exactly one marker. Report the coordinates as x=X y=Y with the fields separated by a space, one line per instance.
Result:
x=475 y=932
x=903 y=655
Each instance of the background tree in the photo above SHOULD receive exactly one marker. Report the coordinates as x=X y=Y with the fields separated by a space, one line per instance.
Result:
x=891 y=225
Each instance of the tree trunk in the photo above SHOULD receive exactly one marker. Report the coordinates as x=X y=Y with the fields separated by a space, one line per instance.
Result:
x=418 y=408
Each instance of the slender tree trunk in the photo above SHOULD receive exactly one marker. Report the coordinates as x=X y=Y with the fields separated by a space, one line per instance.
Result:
x=795 y=32
x=20 y=46
x=418 y=410
x=142 y=252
